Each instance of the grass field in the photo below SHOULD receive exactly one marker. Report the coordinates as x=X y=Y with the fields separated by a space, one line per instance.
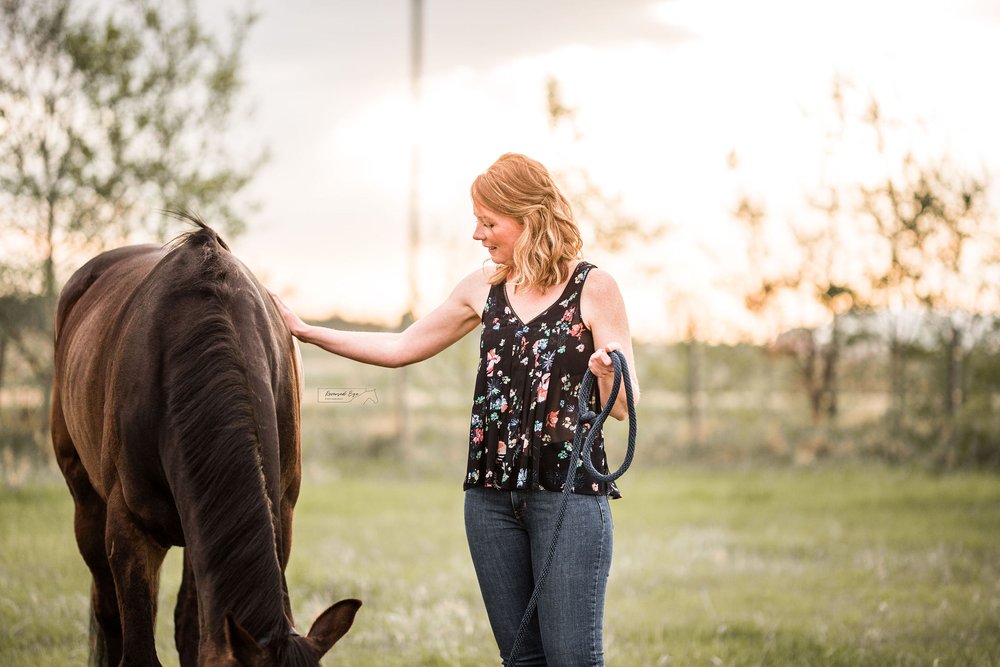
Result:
x=821 y=566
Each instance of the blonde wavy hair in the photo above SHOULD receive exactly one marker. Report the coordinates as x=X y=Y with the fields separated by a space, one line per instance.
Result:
x=521 y=188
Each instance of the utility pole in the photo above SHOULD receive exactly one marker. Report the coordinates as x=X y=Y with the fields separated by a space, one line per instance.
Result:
x=416 y=66
x=404 y=416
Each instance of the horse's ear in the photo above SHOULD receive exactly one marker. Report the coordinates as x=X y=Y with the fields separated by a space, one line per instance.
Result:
x=333 y=624
x=244 y=648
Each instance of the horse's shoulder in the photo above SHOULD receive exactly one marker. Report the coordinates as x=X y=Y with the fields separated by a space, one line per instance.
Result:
x=89 y=273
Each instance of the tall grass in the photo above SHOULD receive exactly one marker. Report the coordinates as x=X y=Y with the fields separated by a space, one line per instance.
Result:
x=756 y=566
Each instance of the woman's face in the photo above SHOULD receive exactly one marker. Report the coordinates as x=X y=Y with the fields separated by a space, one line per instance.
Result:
x=498 y=233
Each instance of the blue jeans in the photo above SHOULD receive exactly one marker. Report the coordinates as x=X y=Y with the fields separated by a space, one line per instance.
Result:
x=509 y=534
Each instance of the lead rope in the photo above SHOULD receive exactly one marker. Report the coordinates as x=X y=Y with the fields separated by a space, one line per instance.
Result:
x=581 y=447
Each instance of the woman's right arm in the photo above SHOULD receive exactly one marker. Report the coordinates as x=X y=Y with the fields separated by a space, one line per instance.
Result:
x=446 y=324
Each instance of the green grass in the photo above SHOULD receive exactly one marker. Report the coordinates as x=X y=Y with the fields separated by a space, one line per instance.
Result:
x=823 y=566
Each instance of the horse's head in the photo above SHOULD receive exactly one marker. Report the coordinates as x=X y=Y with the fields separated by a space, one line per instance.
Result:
x=291 y=650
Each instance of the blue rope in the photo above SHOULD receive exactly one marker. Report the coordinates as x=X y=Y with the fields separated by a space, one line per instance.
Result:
x=582 y=445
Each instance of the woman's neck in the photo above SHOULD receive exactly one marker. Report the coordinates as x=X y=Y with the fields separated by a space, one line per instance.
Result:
x=526 y=289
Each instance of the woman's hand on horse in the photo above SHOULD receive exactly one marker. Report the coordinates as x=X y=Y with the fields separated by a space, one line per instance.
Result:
x=293 y=321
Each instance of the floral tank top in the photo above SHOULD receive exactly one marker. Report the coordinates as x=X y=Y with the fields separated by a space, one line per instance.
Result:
x=524 y=411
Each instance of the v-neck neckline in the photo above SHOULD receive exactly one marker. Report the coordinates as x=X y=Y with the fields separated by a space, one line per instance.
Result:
x=552 y=305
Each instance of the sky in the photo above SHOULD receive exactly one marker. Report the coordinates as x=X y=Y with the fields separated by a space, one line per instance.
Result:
x=665 y=93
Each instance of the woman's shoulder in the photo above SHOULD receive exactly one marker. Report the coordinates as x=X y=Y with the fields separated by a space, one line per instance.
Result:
x=599 y=282
x=479 y=278
x=475 y=287
x=599 y=298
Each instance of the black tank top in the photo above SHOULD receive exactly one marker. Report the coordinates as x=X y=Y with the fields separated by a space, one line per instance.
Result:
x=524 y=411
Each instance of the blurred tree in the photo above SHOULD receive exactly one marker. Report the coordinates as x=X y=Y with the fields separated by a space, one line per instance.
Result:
x=977 y=432
x=936 y=234
x=916 y=237
x=108 y=112
x=814 y=272
x=597 y=211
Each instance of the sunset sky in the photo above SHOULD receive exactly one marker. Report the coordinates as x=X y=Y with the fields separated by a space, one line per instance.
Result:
x=664 y=93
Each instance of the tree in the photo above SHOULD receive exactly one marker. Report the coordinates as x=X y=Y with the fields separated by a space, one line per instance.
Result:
x=815 y=275
x=915 y=236
x=938 y=246
x=598 y=212
x=107 y=113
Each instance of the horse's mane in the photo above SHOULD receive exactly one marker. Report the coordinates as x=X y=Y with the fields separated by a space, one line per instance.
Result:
x=211 y=407
x=293 y=652
x=201 y=228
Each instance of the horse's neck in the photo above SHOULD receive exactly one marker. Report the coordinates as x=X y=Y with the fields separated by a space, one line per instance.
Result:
x=236 y=567
x=224 y=459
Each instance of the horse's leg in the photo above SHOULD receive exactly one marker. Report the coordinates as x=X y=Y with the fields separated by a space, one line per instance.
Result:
x=135 y=563
x=186 y=630
x=106 y=625
x=89 y=524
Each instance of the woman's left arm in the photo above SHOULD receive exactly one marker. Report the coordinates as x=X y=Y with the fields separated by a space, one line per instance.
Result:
x=603 y=311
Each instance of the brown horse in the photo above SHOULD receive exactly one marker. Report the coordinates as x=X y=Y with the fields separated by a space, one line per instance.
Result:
x=175 y=420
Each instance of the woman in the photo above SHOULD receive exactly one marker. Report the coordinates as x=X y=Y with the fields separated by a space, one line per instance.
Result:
x=547 y=317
